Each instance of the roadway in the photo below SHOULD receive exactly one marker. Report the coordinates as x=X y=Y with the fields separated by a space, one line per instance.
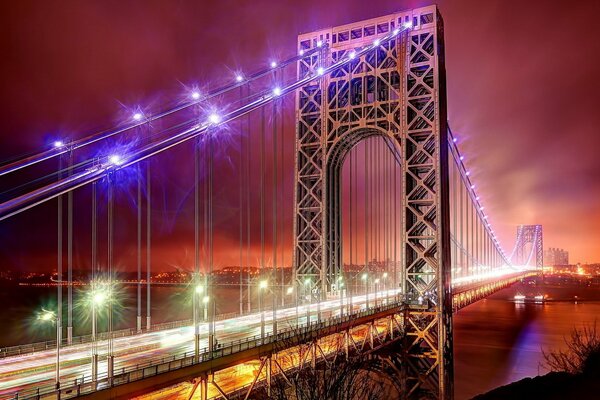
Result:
x=37 y=370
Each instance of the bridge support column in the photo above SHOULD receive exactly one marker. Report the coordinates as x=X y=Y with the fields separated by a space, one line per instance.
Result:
x=201 y=382
x=94 y=367
x=148 y=322
x=139 y=323
x=268 y=371
x=196 y=347
x=110 y=361
x=69 y=334
x=346 y=344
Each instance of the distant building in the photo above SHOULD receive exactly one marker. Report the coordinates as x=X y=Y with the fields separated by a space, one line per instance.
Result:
x=556 y=256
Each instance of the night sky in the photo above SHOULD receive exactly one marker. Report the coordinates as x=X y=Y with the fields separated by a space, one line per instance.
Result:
x=523 y=94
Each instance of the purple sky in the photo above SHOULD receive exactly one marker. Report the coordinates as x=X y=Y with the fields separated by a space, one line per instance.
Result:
x=522 y=79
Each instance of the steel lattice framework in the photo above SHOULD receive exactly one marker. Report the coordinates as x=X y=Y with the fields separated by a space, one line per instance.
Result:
x=529 y=235
x=398 y=93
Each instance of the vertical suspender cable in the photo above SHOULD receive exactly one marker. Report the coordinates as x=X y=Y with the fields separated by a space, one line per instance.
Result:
x=70 y=257
x=274 y=216
x=59 y=309
x=110 y=242
x=248 y=203
x=148 y=245
x=196 y=293
x=139 y=249
x=240 y=210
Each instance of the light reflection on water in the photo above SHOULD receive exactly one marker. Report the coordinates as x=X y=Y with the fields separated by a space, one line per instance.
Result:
x=497 y=341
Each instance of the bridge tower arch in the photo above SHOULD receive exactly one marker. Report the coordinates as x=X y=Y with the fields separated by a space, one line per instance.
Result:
x=397 y=90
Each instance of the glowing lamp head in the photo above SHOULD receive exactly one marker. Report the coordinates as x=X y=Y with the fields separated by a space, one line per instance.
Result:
x=115 y=159
x=46 y=315
x=320 y=71
x=214 y=118
x=320 y=43
x=199 y=289
x=206 y=299
x=462 y=158
x=195 y=95
x=99 y=298
x=396 y=31
x=290 y=290
x=239 y=78
x=263 y=284
x=477 y=198
x=58 y=144
x=385 y=274
x=454 y=140
x=273 y=64
x=352 y=55
x=301 y=52
x=277 y=91
x=407 y=24
x=472 y=186
x=307 y=281
x=137 y=116
x=364 y=277
x=377 y=42
x=468 y=173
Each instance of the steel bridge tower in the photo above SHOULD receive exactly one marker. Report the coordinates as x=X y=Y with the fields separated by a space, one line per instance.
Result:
x=397 y=92
x=530 y=235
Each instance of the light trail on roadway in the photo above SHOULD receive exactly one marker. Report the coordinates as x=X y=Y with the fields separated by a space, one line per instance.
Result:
x=37 y=370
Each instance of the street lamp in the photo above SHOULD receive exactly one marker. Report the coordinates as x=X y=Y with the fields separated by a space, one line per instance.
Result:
x=262 y=286
x=98 y=297
x=340 y=285
x=51 y=316
x=198 y=291
x=307 y=284
x=385 y=288
x=365 y=278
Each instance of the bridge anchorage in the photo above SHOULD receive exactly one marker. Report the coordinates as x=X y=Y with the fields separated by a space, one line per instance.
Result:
x=381 y=79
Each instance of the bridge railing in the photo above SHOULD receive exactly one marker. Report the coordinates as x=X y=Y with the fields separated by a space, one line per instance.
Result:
x=78 y=340
x=124 y=375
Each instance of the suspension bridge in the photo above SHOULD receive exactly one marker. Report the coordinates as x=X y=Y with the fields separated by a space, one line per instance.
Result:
x=380 y=237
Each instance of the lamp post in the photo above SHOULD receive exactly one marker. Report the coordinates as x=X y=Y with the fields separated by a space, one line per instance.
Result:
x=262 y=286
x=385 y=288
x=205 y=301
x=98 y=297
x=307 y=289
x=376 y=290
x=198 y=291
x=365 y=278
x=340 y=286
x=290 y=291
x=51 y=316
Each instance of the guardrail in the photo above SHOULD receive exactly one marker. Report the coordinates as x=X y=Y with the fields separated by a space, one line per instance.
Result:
x=124 y=375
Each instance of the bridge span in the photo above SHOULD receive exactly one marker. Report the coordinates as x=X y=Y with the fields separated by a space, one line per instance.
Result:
x=382 y=197
x=151 y=361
